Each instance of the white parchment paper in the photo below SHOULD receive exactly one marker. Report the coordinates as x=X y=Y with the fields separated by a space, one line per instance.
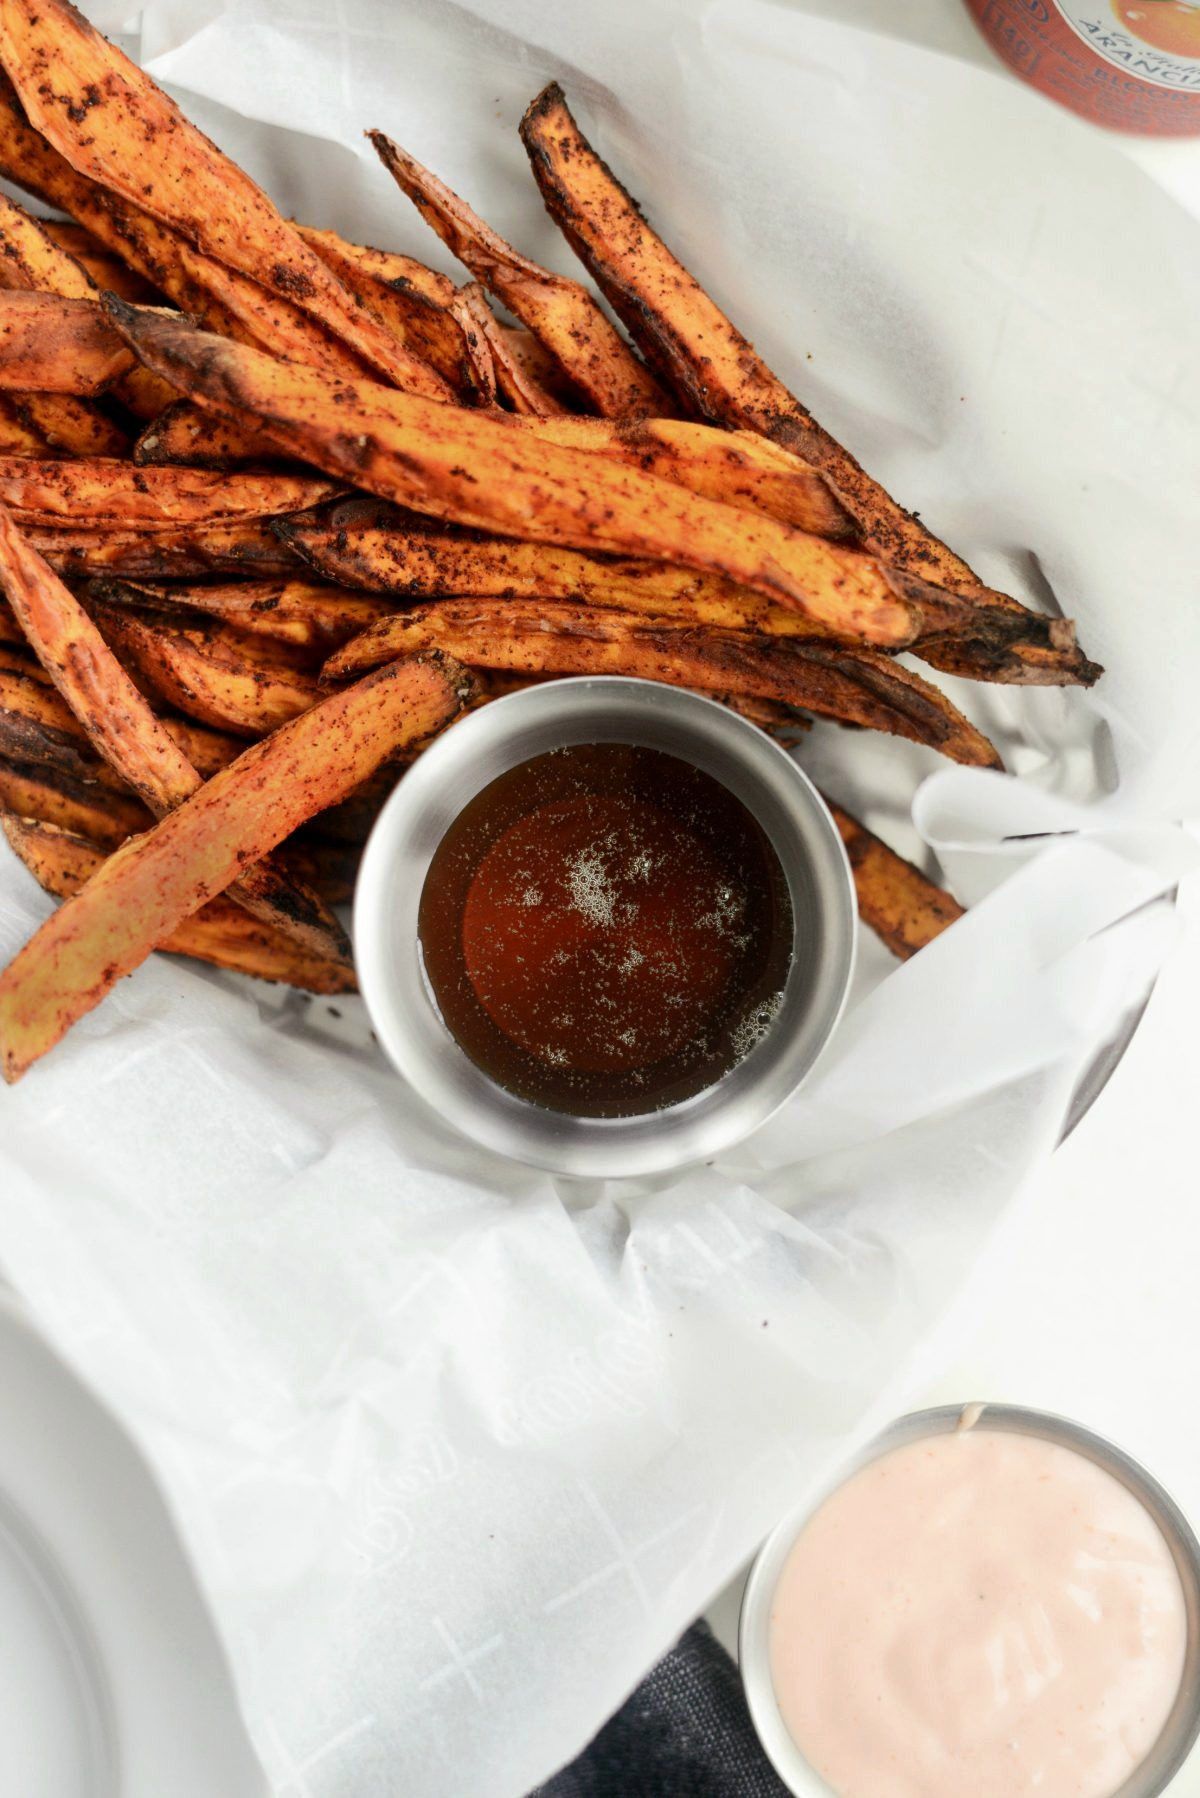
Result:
x=456 y=1450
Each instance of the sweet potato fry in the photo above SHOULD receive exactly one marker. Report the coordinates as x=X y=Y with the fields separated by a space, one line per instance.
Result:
x=19 y=435
x=366 y=544
x=413 y=302
x=92 y=494
x=470 y=312
x=219 y=933
x=115 y=125
x=183 y=433
x=853 y=686
x=52 y=345
x=483 y=471
x=717 y=372
x=306 y=617
x=560 y=313
x=532 y=390
x=202 y=286
x=123 y=729
x=208 y=672
x=109 y=272
x=737 y=467
x=42 y=791
x=247 y=547
x=150 y=885
x=902 y=906
x=37 y=726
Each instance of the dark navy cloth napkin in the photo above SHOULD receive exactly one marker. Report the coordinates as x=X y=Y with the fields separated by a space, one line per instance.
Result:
x=685 y=1733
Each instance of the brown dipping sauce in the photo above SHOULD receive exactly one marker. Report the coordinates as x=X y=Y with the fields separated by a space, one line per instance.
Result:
x=606 y=930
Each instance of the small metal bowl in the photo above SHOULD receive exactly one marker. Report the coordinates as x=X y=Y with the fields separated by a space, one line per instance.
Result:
x=508 y=732
x=1179 y=1733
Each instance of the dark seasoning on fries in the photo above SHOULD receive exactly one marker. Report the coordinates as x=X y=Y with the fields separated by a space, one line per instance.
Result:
x=275 y=508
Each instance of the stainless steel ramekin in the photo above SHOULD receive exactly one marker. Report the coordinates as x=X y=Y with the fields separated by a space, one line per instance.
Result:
x=1182 y=1728
x=507 y=732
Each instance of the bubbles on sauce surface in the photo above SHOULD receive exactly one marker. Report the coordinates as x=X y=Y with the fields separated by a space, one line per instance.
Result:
x=606 y=930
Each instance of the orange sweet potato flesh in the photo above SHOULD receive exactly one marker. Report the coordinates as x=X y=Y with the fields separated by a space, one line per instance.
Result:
x=181 y=432
x=559 y=312
x=903 y=907
x=311 y=618
x=107 y=270
x=124 y=730
x=207 y=672
x=853 y=686
x=94 y=493
x=148 y=887
x=484 y=471
x=39 y=790
x=247 y=546
x=19 y=435
x=717 y=372
x=115 y=125
x=220 y=933
x=52 y=345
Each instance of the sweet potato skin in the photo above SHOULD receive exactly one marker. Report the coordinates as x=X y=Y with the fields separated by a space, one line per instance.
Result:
x=482 y=471
x=147 y=887
x=717 y=372
x=220 y=933
x=854 y=686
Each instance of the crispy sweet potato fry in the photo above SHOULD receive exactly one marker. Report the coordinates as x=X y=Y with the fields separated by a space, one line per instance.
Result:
x=208 y=673
x=469 y=310
x=115 y=125
x=52 y=345
x=738 y=467
x=109 y=272
x=412 y=300
x=560 y=313
x=532 y=391
x=123 y=729
x=150 y=885
x=368 y=545
x=42 y=791
x=483 y=471
x=248 y=547
x=853 y=686
x=38 y=728
x=69 y=426
x=183 y=433
x=202 y=286
x=88 y=495
x=716 y=371
x=219 y=933
x=19 y=435
x=307 y=617
x=902 y=906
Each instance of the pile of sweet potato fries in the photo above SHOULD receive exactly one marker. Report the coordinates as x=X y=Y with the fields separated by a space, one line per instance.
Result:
x=275 y=507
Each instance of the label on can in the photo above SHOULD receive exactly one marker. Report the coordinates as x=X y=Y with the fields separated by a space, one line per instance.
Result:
x=1155 y=40
x=1130 y=64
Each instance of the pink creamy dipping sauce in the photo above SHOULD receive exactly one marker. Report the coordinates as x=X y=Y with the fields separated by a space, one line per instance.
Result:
x=978 y=1614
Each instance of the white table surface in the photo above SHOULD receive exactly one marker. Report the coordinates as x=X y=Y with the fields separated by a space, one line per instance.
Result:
x=1092 y=1308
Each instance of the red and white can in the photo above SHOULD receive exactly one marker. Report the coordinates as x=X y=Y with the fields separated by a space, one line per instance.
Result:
x=1133 y=65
